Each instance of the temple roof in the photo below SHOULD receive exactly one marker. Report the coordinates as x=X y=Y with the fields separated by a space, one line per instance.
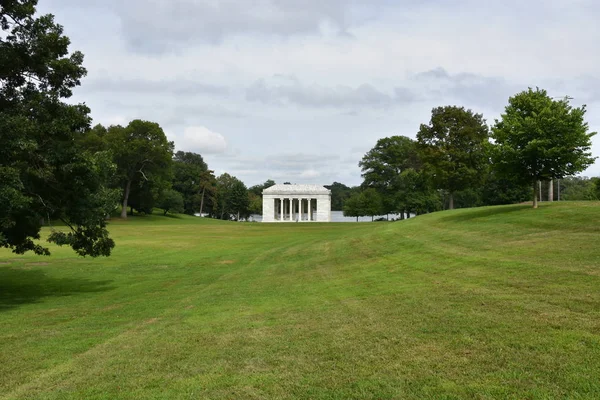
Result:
x=296 y=189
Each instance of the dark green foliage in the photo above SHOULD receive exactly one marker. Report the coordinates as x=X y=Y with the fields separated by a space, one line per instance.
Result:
x=258 y=189
x=231 y=198
x=254 y=203
x=579 y=188
x=538 y=139
x=255 y=196
x=339 y=194
x=382 y=165
x=171 y=201
x=415 y=193
x=365 y=203
x=142 y=154
x=499 y=190
x=43 y=175
x=239 y=200
x=453 y=149
x=188 y=171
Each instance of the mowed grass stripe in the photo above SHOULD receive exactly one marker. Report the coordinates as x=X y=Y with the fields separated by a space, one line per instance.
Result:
x=499 y=302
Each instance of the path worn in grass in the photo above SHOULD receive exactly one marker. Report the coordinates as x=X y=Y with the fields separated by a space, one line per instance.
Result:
x=497 y=302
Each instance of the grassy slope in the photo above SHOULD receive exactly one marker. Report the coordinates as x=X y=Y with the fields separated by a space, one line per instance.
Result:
x=499 y=302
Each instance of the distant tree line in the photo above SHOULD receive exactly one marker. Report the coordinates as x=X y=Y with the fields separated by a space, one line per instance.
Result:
x=458 y=161
x=55 y=166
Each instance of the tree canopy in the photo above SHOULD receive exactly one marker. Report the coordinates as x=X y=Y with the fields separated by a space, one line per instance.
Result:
x=540 y=138
x=453 y=149
x=382 y=165
x=188 y=179
x=142 y=154
x=43 y=174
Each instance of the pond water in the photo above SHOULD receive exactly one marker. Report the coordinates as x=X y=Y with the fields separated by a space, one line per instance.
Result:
x=338 y=216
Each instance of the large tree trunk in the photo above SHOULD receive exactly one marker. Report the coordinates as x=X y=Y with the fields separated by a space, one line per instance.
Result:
x=202 y=201
x=125 y=199
x=535 y=194
x=551 y=190
x=451 y=201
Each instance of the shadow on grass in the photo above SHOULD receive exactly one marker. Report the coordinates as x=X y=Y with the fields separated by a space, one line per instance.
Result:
x=18 y=287
x=485 y=212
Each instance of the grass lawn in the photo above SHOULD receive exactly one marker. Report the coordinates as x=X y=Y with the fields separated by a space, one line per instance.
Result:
x=488 y=303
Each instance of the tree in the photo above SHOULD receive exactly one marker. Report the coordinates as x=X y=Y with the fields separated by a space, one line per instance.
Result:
x=231 y=197
x=384 y=162
x=258 y=189
x=415 y=193
x=142 y=153
x=254 y=203
x=372 y=203
x=255 y=196
x=453 y=149
x=43 y=174
x=539 y=138
x=339 y=194
x=578 y=188
x=188 y=177
x=365 y=203
x=353 y=206
x=171 y=201
x=239 y=200
x=208 y=184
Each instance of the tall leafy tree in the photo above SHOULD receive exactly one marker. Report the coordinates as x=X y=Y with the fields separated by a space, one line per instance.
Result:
x=453 y=149
x=239 y=201
x=142 y=153
x=415 y=193
x=539 y=138
x=384 y=162
x=43 y=174
x=353 y=206
x=208 y=189
x=188 y=171
x=171 y=201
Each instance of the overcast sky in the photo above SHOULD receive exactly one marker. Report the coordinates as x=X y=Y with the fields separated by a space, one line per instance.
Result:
x=299 y=90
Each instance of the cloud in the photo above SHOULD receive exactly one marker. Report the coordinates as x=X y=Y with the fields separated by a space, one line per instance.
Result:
x=474 y=89
x=201 y=140
x=181 y=86
x=280 y=91
x=149 y=25
x=310 y=174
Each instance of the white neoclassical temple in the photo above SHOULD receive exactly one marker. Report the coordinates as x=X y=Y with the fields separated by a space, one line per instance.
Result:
x=296 y=203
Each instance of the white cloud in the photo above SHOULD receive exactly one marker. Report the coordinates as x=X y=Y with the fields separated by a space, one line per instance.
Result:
x=310 y=173
x=310 y=85
x=201 y=140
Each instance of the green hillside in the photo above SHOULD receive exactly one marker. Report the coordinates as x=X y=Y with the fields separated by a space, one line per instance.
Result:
x=500 y=302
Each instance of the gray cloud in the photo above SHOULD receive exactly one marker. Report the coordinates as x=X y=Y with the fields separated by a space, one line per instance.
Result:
x=291 y=91
x=474 y=89
x=148 y=25
x=183 y=87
